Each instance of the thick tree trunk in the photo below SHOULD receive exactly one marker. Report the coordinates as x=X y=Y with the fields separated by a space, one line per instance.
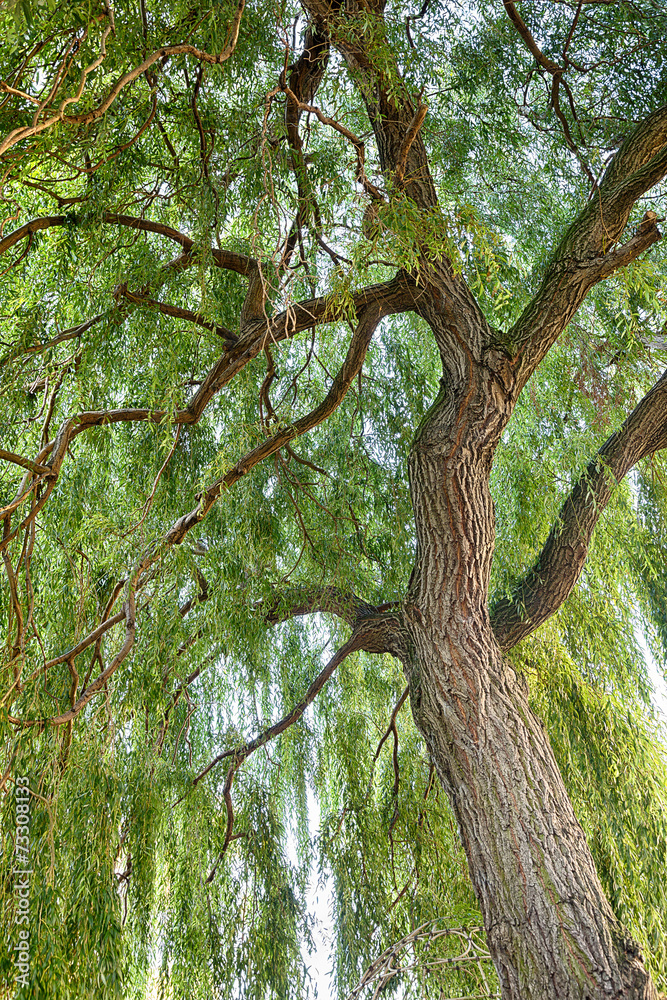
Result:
x=550 y=929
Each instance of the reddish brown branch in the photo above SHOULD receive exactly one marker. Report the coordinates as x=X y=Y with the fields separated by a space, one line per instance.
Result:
x=359 y=146
x=588 y=252
x=129 y=613
x=160 y=55
x=9 y=456
x=410 y=136
x=309 y=600
x=242 y=753
x=531 y=44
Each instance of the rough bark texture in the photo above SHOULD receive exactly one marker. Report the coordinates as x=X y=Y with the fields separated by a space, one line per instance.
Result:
x=550 y=929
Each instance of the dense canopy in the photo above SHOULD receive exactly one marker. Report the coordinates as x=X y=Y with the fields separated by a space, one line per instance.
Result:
x=254 y=259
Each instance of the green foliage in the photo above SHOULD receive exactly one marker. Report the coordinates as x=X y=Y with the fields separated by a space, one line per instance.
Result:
x=122 y=842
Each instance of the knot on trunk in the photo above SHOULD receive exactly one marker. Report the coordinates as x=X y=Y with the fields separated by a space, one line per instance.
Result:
x=636 y=980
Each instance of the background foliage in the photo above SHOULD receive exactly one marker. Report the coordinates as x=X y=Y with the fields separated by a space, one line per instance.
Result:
x=122 y=841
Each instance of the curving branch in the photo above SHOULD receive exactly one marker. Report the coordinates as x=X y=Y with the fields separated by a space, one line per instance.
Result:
x=354 y=643
x=377 y=631
x=162 y=54
x=562 y=559
x=25 y=463
x=368 y=321
x=34 y=226
x=363 y=637
x=548 y=64
x=129 y=613
x=310 y=600
x=589 y=251
x=392 y=114
x=222 y=258
x=357 y=143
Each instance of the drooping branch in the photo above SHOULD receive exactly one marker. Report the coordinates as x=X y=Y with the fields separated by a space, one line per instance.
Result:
x=397 y=295
x=377 y=630
x=562 y=559
x=360 y=639
x=129 y=613
x=227 y=259
x=355 y=642
x=34 y=226
x=222 y=258
x=160 y=55
x=391 y=728
x=361 y=339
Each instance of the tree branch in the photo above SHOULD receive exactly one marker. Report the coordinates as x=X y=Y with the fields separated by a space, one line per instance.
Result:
x=562 y=559
x=309 y=600
x=9 y=456
x=222 y=258
x=587 y=252
x=361 y=338
x=164 y=53
x=548 y=64
x=242 y=753
x=377 y=632
x=138 y=298
x=391 y=112
x=99 y=682
x=361 y=639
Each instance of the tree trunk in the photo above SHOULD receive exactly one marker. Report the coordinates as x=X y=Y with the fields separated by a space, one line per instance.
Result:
x=550 y=929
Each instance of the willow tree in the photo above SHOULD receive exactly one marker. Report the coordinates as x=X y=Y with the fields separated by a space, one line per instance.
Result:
x=331 y=362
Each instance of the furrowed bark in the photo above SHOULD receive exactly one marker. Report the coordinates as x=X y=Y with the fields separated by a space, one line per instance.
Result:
x=588 y=252
x=550 y=929
x=562 y=559
x=391 y=111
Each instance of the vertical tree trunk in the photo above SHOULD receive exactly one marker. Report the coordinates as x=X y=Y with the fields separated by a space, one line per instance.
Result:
x=551 y=931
